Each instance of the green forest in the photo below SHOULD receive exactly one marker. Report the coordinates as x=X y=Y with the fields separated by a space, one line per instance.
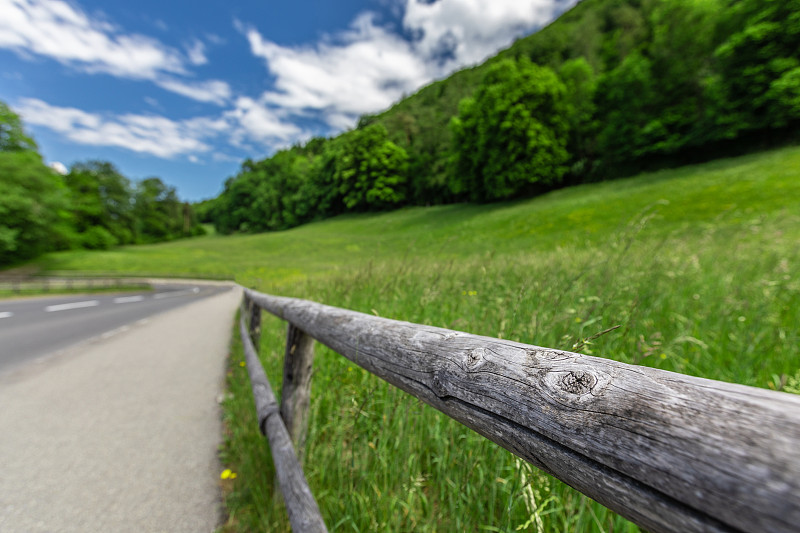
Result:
x=611 y=88
x=92 y=207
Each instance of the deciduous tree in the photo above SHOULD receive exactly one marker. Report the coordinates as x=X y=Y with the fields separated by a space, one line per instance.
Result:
x=34 y=216
x=512 y=135
x=101 y=203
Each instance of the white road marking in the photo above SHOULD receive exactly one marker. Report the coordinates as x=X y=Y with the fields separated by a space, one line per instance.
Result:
x=74 y=305
x=162 y=295
x=6 y=314
x=128 y=299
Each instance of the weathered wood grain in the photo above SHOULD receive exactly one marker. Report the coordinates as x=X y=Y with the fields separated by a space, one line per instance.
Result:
x=668 y=451
x=301 y=506
x=254 y=322
x=296 y=389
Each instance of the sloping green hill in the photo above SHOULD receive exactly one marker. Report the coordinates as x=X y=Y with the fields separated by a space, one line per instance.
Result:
x=419 y=123
x=697 y=266
x=611 y=88
x=721 y=192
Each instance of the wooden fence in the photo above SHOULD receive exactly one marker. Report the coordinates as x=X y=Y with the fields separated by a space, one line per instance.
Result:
x=667 y=451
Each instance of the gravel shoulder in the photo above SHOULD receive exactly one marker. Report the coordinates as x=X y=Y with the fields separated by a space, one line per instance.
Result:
x=120 y=434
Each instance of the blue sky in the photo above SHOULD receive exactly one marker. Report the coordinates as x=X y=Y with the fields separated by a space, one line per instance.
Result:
x=187 y=90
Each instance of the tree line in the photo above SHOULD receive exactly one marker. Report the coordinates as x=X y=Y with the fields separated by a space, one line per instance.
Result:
x=93 y=206
x=611 y=88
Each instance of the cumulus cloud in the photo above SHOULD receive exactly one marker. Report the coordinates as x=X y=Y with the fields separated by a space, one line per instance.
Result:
x=58 y=30
x=148 y=134
x=455 y=33
x=261 y=122
x=61 y=31
x=331 y=82
x=368 y=67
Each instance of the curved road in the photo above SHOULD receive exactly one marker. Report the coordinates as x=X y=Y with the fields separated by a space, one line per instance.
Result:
x=33 y=327
x=119 y=432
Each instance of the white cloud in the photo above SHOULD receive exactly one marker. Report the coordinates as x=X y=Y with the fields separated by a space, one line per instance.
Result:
x=361 y=70
x=197 y=53
x=212 y=91
x=263 y=123
x=61 y=31
x=59 y=167
x=465 y=32
x=368 y=67
x=149 y=134
x=366 y=70
x=369 y=70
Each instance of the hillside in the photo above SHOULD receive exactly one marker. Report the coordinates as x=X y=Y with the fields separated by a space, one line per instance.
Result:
x=695 y=265
x=728 y=191
x=420 y=122
x=611 y=88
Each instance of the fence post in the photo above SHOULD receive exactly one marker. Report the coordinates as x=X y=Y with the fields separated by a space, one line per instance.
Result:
x=304 y=515
x=296 y=391
x=254 y=322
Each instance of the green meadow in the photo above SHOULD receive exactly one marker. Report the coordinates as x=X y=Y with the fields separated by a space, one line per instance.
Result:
x=698 y=266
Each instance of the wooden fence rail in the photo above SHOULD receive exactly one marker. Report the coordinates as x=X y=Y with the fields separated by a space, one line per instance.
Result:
x=669 y=452
x=303 y=511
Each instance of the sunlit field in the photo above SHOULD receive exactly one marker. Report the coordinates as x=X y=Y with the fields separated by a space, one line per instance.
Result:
x=697 y=265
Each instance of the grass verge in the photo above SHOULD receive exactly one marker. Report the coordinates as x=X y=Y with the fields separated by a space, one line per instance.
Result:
x=7 y=294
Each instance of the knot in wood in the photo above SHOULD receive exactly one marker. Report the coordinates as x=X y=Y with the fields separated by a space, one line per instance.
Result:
x=476 y=358
x=578 y=382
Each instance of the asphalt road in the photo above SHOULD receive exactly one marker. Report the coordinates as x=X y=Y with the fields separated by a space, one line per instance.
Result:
x=121 y=433
x=34 y=327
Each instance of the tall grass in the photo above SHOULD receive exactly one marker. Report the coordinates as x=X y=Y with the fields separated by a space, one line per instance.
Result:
x=721 y=303
x=697 y=266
